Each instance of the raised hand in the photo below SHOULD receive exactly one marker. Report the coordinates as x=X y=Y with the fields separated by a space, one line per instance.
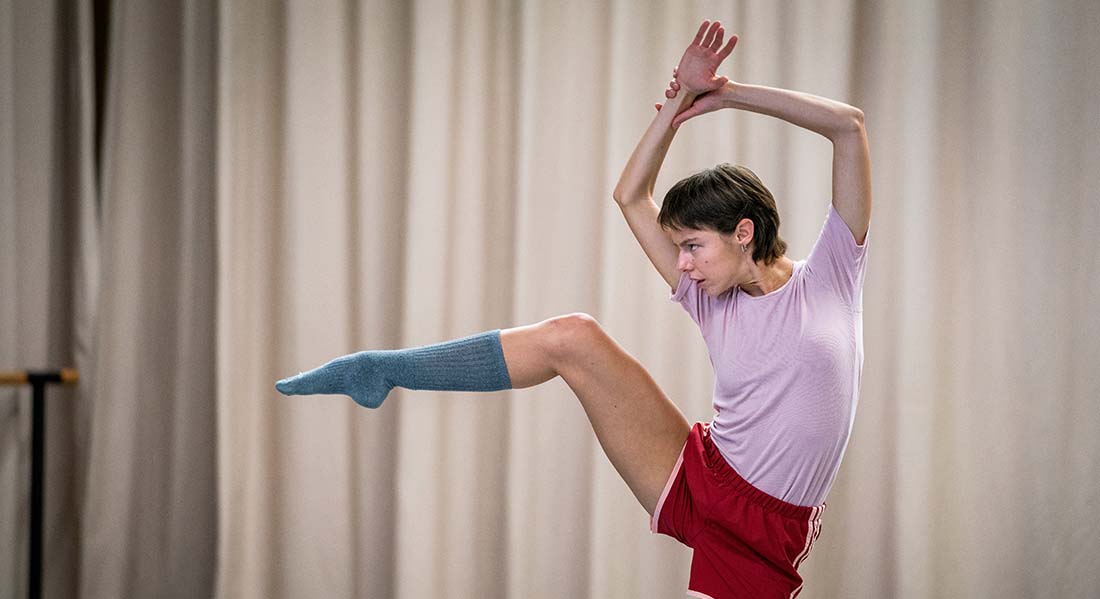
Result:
x=708 y=102
x=697 y=72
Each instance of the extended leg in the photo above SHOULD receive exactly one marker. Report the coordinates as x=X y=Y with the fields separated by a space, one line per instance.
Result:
x=639 y=428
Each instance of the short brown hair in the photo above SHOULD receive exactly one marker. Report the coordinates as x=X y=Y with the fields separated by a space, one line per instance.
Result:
x=717 y=199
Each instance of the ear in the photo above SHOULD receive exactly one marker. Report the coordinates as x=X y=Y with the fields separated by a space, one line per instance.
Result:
x=744 y=232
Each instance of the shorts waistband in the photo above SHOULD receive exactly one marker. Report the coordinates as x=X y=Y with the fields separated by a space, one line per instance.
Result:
x=728 y=476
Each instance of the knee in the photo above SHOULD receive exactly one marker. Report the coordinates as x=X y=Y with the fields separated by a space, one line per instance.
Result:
x=566 y=335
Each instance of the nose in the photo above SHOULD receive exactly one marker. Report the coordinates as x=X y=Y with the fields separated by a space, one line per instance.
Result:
x=684 y=263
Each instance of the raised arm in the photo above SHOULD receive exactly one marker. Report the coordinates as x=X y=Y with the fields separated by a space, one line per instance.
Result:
x=634 y=191
x=840 y=123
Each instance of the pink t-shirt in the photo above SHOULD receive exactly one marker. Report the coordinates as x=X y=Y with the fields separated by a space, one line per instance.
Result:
x=787 y=368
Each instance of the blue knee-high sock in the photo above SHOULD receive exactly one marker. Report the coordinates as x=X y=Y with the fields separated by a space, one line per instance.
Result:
x=474 y=363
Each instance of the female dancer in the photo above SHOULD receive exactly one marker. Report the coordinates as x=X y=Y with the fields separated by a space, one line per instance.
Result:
x=745 y=491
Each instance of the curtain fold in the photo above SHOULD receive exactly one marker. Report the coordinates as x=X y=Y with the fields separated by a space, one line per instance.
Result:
x=149 y=510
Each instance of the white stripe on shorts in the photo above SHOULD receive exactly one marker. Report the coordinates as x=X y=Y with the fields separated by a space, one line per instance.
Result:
x=813 y=529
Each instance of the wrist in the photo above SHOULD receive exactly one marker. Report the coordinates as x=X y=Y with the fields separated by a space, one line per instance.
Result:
x=681 y=101
x=694 y=92
x=729 y=93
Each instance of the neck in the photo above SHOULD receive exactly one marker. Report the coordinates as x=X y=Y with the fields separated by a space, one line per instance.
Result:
x=766 y=279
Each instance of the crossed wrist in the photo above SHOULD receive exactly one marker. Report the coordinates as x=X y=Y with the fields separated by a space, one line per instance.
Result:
x=728 y=93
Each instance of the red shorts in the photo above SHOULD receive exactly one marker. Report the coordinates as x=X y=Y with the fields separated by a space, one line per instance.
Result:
x=746 y=543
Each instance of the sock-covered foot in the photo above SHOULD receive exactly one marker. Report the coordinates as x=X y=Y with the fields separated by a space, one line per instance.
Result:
x=359 y=376
x=474 y=363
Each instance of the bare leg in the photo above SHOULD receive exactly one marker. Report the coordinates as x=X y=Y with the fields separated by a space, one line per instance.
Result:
x=639 y=428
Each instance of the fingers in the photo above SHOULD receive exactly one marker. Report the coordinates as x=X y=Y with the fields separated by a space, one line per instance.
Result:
x=683 y=116
x=711 y=35
x=701 y=106
x=729 y=48
x=699 y=35
x=711 y=32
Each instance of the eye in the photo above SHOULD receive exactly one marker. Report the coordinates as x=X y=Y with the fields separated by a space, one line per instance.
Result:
x=691 y=246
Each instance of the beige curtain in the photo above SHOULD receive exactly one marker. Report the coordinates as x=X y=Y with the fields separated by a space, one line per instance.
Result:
x=113 y=273
x=48 y=280
x=282 y=182
x=150 y=508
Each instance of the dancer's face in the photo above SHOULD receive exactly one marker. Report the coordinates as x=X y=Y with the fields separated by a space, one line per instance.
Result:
x=713 y=259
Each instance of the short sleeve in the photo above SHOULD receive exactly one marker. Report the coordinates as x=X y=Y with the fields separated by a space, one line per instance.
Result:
x=698 y=304
x=837 y=262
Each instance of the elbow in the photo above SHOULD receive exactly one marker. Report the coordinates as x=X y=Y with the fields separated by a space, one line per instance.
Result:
x=852 y=120
x=623 y=197
x=849 y=121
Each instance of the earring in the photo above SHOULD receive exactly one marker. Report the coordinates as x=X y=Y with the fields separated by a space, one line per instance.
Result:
x=744 y=249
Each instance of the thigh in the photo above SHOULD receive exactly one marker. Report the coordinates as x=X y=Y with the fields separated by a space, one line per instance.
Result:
x=637 y=425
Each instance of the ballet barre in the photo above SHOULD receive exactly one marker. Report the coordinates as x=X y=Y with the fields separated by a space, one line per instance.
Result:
x=37 y=379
